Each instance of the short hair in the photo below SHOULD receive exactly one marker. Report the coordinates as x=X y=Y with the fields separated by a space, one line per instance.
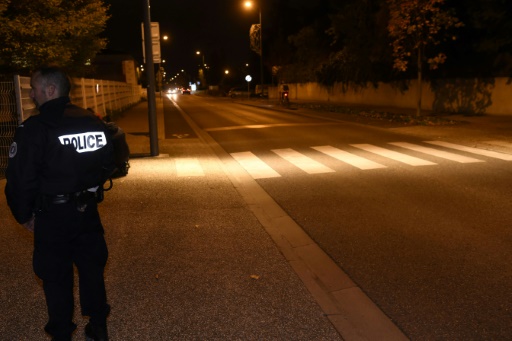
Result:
x=55 y=76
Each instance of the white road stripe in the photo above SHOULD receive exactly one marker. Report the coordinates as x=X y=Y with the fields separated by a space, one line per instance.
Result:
x=488 y=153
x=500 y=143
x=188 y=167
x=349 y=158
x=273 y=125
x=254 y=165
x=305 y=163
x=407 y=159
x=436 y=152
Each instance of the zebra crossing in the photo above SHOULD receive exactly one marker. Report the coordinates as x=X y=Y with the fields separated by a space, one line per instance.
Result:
x=360 y=156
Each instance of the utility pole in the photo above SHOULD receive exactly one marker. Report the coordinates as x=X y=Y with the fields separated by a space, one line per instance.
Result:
x=150 y=69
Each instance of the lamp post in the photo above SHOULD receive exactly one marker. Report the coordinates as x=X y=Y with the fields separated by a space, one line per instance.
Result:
x=250 y=4
x=201 y=72
x=202 y=55
x=153 y=129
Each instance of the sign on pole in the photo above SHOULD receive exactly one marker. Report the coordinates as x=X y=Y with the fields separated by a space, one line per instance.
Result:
x=155 y=40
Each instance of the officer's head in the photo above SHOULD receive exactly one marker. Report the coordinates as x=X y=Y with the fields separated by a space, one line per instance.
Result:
x=48 y=83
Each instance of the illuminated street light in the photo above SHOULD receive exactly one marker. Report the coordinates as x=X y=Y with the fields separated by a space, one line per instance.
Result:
x=201 y=72
x=202 y=55
x=249 y=5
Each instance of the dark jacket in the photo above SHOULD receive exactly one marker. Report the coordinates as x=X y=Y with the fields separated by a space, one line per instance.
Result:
x=63 y=150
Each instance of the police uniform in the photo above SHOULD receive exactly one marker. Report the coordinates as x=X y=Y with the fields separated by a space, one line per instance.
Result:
x=58 y=163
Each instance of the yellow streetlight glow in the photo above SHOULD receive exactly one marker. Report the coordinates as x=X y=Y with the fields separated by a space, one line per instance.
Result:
x=250 y=4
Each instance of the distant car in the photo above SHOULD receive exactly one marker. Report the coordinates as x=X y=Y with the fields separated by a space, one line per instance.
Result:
x=185 y=91
x=238 y=92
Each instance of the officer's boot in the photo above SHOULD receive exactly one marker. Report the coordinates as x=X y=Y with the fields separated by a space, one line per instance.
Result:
x=95 y=332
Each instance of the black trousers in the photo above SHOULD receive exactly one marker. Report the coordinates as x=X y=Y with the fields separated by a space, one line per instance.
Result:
x=64 y=237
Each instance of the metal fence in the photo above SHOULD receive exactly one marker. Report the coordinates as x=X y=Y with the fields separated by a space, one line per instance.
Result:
x=8 y=120
x=104 y=97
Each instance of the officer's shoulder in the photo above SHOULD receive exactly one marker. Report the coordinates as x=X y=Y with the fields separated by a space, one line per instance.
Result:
x=75 y=108
x=32 y=121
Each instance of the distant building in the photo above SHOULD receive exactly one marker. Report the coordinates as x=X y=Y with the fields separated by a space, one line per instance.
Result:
x=116 y=66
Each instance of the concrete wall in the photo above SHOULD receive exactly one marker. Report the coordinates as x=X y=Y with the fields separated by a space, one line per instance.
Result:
x=101 y=95
x=472 y=96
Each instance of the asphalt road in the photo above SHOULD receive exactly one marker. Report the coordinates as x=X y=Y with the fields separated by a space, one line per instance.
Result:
x=428 y=241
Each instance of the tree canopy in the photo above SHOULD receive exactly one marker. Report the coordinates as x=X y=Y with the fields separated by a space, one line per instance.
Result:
x=415 y=26
x=61 y=32
x=361 y=42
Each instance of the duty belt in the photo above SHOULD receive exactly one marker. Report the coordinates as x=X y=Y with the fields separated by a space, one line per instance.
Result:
x=80 y=198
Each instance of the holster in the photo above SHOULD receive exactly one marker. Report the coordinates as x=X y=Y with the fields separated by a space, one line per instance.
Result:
x=100 y=194
x=82 y=198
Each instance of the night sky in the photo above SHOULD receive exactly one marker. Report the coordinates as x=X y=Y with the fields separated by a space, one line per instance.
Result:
x=206 y=25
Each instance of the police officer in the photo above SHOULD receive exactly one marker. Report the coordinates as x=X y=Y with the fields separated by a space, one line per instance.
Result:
x=58 y=163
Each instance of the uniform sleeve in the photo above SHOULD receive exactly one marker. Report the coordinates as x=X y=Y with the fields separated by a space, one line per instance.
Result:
x=25 y=161
x=108 y=159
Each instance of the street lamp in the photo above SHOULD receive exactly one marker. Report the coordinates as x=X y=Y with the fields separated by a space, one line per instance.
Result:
x=202 y=55
x=249 y=4
x=201 y=72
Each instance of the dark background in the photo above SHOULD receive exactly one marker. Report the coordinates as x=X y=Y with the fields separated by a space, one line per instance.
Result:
x=219 y=29
x=212 y=27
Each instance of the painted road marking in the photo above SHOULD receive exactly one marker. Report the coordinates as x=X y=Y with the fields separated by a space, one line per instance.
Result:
x=188 y=167
x=302 y=161
x=436 y=152
x=259 y=169
x=404 y=158
x=488 y=153
x=500 y=143
x=254 y=165
x=351 y=159
x=272 y=125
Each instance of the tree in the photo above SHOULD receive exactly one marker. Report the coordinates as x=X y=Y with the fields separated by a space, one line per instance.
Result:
x=311 y=50
x=295 y=38
x=414 y=26
x=488 y=27
x=359 y=44
x=61 y=32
